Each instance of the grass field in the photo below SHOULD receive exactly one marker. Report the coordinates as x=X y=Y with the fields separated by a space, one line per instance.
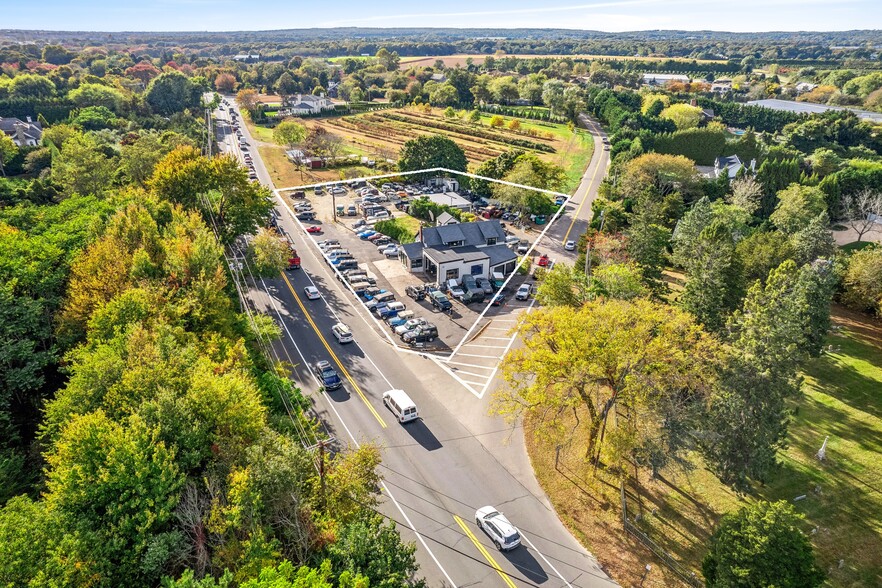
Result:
x=843 y=495
x=454 y=60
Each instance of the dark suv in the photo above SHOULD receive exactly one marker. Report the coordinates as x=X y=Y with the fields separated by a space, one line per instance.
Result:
x=440 y=300
x=422 y=334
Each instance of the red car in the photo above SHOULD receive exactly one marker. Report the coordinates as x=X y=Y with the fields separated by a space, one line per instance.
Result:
x=543 y=261
x=314 y=230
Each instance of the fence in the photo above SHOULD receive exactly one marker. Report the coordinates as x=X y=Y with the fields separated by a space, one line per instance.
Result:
x=686 y=575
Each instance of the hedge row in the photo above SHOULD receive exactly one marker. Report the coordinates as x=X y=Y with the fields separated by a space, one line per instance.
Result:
x=474 y=132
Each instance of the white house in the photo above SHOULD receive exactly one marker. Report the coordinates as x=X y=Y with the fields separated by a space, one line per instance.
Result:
x=24 y=133
x=308 y=104
x=721 y=86
x=451 y=251
x=731 y=165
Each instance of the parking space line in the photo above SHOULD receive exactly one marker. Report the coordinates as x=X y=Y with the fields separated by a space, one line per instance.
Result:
x=499 y=328
x=484 y=552
x=473 y=383
x=480 y=346
x=472 y=365
x=497 y=338
x=496 y=357
x=470 y=373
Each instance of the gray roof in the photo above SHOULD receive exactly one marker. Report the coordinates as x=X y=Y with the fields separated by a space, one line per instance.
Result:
x=8 y=124
x=413 y=250
x=465 y=254
x=731 y=163
x=474 y=233
x=499 y=254
x=445 y=218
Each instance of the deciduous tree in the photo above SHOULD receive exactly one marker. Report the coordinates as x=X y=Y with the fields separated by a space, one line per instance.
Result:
x=431 y=151
x=585 y=359
x=797 y=206
x=761 y=545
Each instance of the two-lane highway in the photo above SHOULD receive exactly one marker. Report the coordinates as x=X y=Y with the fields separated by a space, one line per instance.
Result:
x=436 y=471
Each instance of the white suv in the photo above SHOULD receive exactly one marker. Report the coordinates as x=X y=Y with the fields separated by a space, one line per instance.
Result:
x=342 y=333
x=505 y=536
x=523 y=292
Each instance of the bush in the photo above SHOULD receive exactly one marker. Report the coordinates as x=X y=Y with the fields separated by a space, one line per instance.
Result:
x=395 y=229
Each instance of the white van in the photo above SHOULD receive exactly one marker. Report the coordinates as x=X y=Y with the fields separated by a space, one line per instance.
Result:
x=381 y=215
x=401 y=405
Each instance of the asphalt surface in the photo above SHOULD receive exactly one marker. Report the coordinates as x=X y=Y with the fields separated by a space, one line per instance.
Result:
x=438 y=470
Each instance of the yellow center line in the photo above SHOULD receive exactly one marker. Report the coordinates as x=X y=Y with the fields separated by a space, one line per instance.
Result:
x=585 y=198
x=483 y=551
x=334 y=355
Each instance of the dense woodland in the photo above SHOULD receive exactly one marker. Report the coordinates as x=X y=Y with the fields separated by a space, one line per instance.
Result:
x=145 y=440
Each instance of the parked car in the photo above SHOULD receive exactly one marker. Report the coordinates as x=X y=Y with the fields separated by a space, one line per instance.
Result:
x=383 y=240
x=365 y=234
x=401 y=318
x=440 y=301
x=523 y=292
x=342 y=333
x=312 y=293
x=454 y=290
x=485 y=285
x=371 y=292
x=391 y=309
x=328 y=375
x=504 y=535
x=415 y=292
x=351 y=211
x=498 y=299
x=306 y=216
x=570 y=246
x=328 y=243
x=359 y=223
x=374 y=237
x=523 y=247
x=410 y=325
x=390 y=250
x=314 y=229
x=543 y=261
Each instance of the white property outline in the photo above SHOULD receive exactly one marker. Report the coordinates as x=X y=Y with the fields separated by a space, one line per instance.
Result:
x=438 y=358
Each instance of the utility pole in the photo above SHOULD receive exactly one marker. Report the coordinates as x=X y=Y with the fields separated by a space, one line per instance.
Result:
x=588 y=246
x=321 y=448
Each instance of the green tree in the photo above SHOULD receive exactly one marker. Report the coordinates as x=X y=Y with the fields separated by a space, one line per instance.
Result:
x=370 y=549
x=117 y=487
x=585 y=358
x=97 y=95
x=389 y=60
x=769 y=337
x=172 y=92
x=565 y=285
x=647 y=246
x=761 y=252
x=714 y=283
x=475 y=117
x=684 y=116
x=761 y=545
x=93 y=118
x=138 y=158
x=450 y=113
x=663 y=174
x=26 y=530
x=57 y=55
x=622 y=281
x=8 y=150
x=862 y=281
x=268 y=252
x=797 y=206
x=431 y=151
x=289 y=132
x=443 y=95
x=529 y=170
x=83 y=167
x=814 y=241
x=30 y=87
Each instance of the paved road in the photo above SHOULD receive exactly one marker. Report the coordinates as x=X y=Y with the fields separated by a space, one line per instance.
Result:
x=438 y=470
x=575 y=222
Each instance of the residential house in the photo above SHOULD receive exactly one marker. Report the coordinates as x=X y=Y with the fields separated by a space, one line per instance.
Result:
x=450 y=251
x=439 y=77
x=444 y=219
x=451 y=199
x=307 y=104
x=24 y=133
x=656 y=79
x=731 y=165
x=721 y=86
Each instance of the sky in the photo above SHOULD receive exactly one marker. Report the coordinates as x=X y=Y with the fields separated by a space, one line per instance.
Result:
x=603 y=15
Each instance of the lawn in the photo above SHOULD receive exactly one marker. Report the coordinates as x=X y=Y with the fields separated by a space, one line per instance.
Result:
x=842 y=495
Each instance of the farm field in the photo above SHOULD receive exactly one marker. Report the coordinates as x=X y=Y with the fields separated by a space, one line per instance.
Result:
x=383 y=133
x=841 y=497
x=454 y=60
